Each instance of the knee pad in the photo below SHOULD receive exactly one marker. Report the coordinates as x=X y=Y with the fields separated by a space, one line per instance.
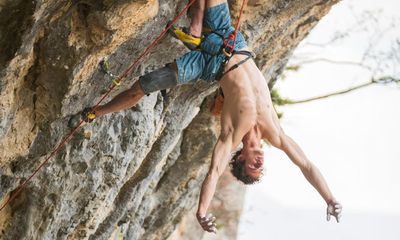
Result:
x=159 y=79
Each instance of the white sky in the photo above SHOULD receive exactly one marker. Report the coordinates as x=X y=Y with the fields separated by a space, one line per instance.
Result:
x=354 y=140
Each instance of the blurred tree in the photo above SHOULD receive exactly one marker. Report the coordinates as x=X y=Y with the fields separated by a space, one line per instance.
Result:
x=380 y=63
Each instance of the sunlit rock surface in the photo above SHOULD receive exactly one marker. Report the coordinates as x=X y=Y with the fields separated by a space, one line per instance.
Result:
x=134 y=174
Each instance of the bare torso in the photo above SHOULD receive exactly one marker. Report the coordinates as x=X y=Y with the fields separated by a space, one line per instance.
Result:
x=247 y=101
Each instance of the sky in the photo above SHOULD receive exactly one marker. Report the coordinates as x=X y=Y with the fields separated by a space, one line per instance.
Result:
x=354 y=139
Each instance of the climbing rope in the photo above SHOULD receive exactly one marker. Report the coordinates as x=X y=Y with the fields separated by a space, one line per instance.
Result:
x=116 y=82
x=228 y=47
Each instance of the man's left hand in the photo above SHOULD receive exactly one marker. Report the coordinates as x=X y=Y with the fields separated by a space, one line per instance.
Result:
x=335 y=209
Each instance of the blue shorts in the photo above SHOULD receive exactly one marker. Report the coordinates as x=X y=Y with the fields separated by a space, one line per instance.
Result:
x=205 y=64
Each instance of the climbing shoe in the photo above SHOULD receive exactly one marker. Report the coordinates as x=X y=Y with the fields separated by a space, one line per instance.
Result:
x=183 y=34
x=86 y=115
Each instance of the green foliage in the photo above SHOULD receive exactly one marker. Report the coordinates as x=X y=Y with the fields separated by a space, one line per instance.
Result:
x=287 y=69
x=278 y=100
x=280 y=114
x=293 y=68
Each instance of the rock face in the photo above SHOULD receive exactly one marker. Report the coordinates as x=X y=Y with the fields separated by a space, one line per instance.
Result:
x=134 y=173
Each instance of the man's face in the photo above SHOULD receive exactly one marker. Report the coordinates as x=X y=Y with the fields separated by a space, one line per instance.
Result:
x=253 y=161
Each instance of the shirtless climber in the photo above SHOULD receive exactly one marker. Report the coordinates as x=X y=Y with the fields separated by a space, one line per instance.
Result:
x=247 y=115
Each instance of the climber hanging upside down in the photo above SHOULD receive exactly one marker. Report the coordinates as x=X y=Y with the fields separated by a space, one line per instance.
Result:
x=247 y=114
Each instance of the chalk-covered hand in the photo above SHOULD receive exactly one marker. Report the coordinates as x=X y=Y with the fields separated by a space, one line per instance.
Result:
x=335 y=209
x=207 y=222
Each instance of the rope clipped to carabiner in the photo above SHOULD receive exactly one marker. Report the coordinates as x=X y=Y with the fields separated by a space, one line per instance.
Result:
x=105 y=68
x=230 y=41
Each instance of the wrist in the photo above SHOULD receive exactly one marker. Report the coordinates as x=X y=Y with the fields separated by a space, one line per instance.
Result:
x=200 y=214
x=331 y=201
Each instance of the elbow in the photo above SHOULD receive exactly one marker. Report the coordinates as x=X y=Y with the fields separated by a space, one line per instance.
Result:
x=306 y=167
x=226 y=133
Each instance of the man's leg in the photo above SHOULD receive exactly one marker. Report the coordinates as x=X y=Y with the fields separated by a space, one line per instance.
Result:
x=196 y=12
x=122 y=101
x=162 y=78
x=191 y=36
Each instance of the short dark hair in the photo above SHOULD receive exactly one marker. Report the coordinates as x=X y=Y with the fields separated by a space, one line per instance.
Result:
x=237 y=170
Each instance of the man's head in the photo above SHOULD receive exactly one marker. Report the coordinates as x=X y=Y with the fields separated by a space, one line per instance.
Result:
x=247 y=164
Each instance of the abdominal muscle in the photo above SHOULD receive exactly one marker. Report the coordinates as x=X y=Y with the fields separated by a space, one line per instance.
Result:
x=247 y=98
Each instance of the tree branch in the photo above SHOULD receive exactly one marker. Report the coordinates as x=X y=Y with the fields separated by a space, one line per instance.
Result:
x=341 y=62
x=381 y=80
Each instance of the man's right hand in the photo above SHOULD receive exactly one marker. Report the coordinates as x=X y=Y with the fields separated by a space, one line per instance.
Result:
x=207 y=222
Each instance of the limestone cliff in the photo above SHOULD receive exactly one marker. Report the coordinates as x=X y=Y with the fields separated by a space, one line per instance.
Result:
x=135 y=173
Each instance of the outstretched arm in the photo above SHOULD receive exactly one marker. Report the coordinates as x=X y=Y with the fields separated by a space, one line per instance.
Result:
x=311 y=173
x=219 y=161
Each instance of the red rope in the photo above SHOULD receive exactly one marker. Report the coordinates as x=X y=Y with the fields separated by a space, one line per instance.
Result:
x=232 y=36
x=240 y=16
x=73 y=131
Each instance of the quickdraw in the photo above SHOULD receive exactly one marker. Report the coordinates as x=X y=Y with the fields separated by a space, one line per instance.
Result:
x=105 y=68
